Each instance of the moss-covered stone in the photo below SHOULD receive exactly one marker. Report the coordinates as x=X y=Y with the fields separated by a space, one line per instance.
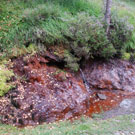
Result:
x=126 y=56
x=5 y=75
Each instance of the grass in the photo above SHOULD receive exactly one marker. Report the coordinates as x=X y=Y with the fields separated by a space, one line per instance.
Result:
x=47 y=22
x=84 y=126
x=23 y=21
x=15 y=31
x=125 y=8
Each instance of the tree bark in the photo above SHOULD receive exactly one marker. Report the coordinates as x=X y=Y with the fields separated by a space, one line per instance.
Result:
x=108 y=5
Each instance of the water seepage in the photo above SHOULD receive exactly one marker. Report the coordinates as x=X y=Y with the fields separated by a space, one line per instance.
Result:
x=87 y=86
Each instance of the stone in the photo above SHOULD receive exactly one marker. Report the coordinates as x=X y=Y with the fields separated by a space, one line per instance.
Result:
x=101 y=96
x=111 y=75
x=46 y=94
x=126 y=104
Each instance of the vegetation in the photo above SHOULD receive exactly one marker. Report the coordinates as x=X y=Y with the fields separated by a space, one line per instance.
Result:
x=77 y=24
x=28 y=26
x=5 y=76
x=84 y=126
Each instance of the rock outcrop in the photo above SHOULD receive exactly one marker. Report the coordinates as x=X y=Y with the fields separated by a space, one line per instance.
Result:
x=47 y=92
x=44 y=94
x=111 y=75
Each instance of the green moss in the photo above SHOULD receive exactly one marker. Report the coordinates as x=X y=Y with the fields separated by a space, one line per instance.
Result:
x=5 y=75
x=126 y=56
x=32 y=48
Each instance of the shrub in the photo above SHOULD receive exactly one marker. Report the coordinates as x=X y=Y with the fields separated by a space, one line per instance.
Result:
x=88 y=37
x=84 y=35
x=122 y=35
x=72 y=23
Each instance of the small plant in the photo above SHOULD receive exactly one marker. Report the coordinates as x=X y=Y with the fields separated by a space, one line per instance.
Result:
x=72 y=61
x=5 y=76
x=126 y=56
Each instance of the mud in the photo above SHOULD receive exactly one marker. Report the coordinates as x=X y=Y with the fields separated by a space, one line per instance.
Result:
x=47 y=92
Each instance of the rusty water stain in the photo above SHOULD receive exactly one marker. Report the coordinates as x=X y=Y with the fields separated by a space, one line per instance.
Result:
x=46 y=93
x=98 y=105
x=112 y=100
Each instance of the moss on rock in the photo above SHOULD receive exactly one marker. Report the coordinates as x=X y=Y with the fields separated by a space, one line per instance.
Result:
x=126 y=56
x=5 y=76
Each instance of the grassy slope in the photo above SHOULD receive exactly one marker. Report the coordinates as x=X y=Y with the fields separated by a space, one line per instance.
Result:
x=14 y=31
x=10 y=17
x=84 y=126
x=125 y=8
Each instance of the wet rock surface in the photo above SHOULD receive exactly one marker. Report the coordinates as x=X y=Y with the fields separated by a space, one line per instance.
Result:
x=47 y=92
x=113 y=82
x=111 y=75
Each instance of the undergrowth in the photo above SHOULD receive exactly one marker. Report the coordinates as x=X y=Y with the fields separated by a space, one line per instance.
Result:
x=5 y=76
x=77 y=24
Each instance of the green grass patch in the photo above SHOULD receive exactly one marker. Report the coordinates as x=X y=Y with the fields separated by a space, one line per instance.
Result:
x=84 y=126
x=125 y=8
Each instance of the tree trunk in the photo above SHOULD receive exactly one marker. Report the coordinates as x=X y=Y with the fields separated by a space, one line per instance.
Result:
x=108 y=5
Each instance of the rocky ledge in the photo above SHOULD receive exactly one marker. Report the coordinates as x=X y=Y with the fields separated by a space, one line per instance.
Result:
x=46 y=92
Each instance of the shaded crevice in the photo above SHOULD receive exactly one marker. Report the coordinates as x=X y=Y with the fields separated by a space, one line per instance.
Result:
x=60 y=65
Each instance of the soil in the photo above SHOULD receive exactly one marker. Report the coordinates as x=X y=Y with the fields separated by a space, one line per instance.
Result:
x=46 y=91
